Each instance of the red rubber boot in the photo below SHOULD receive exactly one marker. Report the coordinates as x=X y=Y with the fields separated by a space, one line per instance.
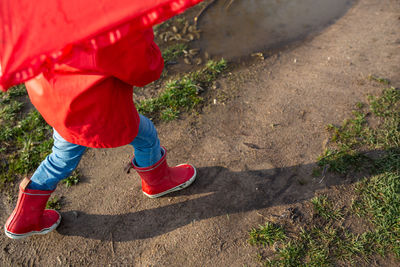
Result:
x=160 y=179
x=29 y=216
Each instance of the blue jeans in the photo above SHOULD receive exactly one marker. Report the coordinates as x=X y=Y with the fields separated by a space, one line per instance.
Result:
x=65 y=156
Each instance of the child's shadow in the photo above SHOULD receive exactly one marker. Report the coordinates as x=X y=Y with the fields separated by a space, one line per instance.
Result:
x=222 y=192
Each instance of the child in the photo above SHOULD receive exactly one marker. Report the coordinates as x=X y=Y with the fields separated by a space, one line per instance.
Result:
x=88 y=102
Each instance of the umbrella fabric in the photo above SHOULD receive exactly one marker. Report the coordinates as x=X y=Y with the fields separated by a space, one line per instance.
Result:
x=37 y=35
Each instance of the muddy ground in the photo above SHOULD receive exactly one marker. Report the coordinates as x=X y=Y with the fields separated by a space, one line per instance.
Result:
x=254 y=149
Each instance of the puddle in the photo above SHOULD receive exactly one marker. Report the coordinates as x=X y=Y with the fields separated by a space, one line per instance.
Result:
x=248 y=26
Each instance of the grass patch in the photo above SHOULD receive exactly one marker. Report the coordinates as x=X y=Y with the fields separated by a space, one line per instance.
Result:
x=173 y=52
x=71 y=180
x=54 y=203
x=24 y=137
x=267 y=234
x=379 y=202
x=374 y=127
x=323 y=207
x=182 y=94
x=322 y=243
x=357 y=134
x=379 y=79
x=341 y=161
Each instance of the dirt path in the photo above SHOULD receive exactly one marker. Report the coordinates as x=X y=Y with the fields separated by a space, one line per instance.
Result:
x=254 y=154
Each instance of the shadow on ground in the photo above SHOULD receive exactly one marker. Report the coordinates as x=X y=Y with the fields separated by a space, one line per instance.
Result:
x=217 y=191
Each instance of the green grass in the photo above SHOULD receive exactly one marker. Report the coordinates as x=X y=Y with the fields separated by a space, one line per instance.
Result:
x=375 y=128
x=71 y=180
x=25 y=138
x=174 y=52
x=341 y=161
x=267 y=234
x=356 y=135
x=182 y=94
x=324 y=242
x=379 y=79
x=379 y=202
x=323 y=207
x=53 y=203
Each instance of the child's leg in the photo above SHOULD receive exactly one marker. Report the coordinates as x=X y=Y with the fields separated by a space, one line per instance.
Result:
x=146 y=144
x=150 y=162
x=58 y=165
x=30 y=216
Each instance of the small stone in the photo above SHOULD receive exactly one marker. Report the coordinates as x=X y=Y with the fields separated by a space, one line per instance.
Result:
x=194 y=51
x=190 y=36
x=215 y=85
x=198 y=61
x=75 y=213
x=259 y=55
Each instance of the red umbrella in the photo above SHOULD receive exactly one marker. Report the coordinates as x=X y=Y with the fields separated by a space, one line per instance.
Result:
x=36 y=35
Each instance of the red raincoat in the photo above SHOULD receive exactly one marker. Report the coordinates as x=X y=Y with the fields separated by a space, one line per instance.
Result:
x=80 y=59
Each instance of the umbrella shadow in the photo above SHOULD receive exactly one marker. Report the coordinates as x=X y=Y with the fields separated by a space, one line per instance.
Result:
x=217 y=191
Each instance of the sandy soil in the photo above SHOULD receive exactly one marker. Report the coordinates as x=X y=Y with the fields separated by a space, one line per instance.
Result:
x=254 y=150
